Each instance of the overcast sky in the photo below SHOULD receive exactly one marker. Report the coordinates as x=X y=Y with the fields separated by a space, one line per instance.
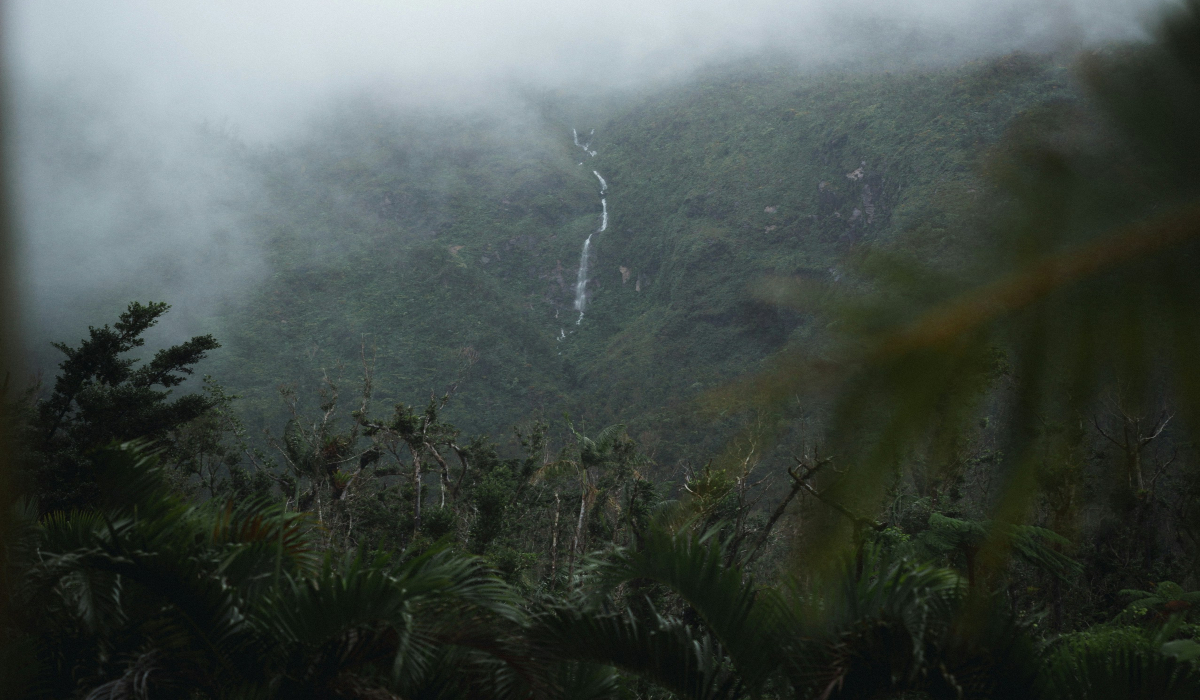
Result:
x=259 y=63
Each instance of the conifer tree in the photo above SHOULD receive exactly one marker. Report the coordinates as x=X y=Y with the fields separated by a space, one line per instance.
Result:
x=102 y=397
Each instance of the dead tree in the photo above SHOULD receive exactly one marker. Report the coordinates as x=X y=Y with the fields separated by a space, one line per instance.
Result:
x=1134 y=432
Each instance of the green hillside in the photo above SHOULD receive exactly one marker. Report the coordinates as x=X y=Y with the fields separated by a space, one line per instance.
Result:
x=450 y=245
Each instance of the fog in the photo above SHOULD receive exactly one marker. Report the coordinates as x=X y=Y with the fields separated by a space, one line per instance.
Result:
x=112 y=98
x=259 y=63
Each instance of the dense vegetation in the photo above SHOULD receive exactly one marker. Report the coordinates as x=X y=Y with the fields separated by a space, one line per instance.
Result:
x=451 y=244
x=962 y=462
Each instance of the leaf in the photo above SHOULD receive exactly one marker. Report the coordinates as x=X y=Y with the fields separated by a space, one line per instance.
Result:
x=1182 y=649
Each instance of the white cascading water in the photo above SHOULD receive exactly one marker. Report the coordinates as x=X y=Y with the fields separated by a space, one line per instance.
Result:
x=584 y=146
x=581 y=280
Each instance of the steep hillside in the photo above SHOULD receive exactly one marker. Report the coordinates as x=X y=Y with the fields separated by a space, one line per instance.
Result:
x=451 y=245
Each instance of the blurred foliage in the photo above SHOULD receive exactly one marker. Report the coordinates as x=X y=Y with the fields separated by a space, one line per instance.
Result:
x=1078 y=284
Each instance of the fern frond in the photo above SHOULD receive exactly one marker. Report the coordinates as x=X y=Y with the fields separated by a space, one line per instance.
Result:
x=1118 y=674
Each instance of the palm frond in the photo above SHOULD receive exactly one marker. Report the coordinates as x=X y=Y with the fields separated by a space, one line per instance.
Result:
x=902 y=627
x=578 y=680
x=607 y=438
x=689 y=663
x=397 y=619
x=722 y=595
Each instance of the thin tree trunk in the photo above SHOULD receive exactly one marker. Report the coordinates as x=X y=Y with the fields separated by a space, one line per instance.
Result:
x=1057 y=606
x=416 y=493
x=860 y=542
x=554 y=540
x=461 y=475
x=444 y=475
x=779 y=511
x=578 y=530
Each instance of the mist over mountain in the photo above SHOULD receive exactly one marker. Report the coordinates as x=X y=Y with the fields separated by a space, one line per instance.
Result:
x=218 y=154
x=262 y=65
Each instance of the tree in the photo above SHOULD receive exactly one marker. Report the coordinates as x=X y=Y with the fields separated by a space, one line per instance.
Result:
x=102 y=397
x=206 y=453
x=149 y=596
x=424 y=436
x=901 y=627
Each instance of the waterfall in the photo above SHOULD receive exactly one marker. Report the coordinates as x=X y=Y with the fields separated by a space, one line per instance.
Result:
x=582 y=280
x=585 y=146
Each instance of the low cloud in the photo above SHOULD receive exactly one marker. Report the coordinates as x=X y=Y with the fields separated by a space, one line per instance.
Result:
x=117 y=103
